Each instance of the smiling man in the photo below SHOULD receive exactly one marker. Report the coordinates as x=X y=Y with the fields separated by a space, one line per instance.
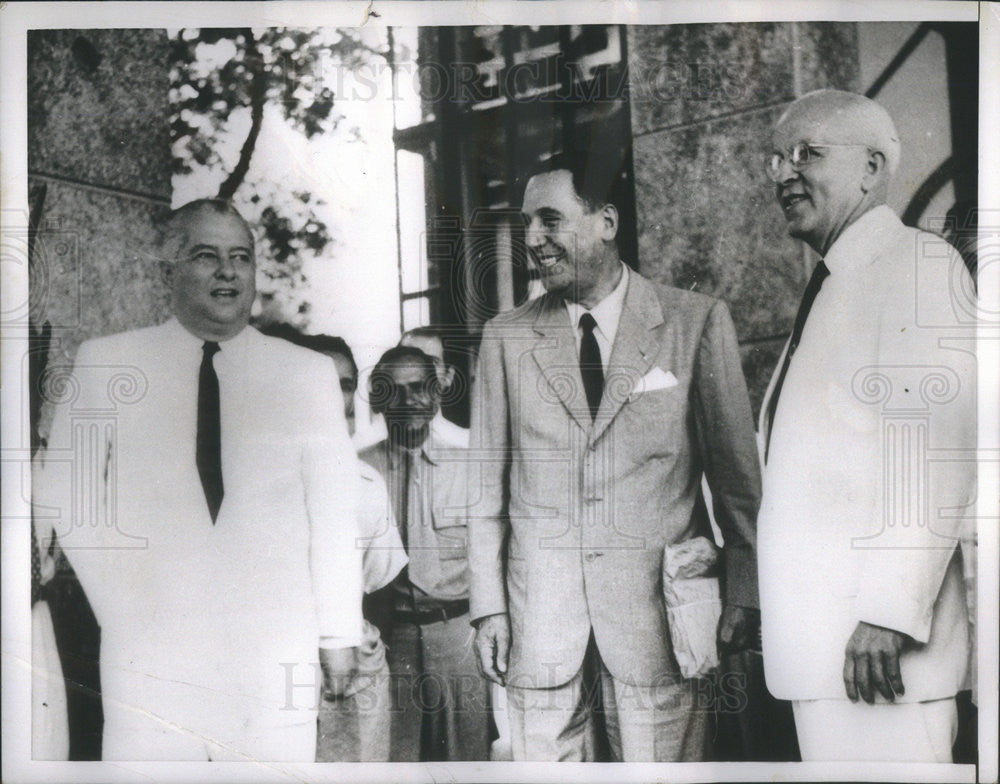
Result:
x=862 y=601
x=440 y=702
x=597 y=410
x=210 y=515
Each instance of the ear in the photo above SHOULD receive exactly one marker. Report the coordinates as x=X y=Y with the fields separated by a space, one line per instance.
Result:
x=374 y=398
x=874 y=170
x=609 y=222
x=449 y=376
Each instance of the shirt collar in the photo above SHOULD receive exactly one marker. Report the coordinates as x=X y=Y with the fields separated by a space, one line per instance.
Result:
x=426 y=450
x=607 y=312
x=234 y=347
x=863 y=241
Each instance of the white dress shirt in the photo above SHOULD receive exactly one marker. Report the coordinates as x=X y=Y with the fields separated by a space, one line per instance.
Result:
x=607 y=313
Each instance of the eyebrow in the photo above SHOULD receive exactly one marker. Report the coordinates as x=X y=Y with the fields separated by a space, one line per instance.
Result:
x=208 y=246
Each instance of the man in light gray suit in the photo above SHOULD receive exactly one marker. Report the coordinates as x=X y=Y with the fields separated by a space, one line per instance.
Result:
x=597 y=410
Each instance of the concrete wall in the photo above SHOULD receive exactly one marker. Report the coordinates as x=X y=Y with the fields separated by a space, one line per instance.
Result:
x=701 y=123
x=926 y=134
x=704 y=98
x=99 y=148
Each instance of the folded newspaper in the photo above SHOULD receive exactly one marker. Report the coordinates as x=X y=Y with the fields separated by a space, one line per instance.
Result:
x=691 y=593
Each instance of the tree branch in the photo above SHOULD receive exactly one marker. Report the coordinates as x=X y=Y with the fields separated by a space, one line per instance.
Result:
x=258 y=94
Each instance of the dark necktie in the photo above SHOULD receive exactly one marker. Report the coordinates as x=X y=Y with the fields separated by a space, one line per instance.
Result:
x=404 y=498
x=812 y=289
x=36 y=569
x=590 y=365
x=209 y=454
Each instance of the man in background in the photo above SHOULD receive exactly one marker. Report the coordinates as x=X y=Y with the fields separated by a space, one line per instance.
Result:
x=212 y=520
x=354 y=725
x=863 y=609
x=440 y=701
x=428 y=340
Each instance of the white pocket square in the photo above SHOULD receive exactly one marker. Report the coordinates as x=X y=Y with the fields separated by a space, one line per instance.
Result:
x=653 y=380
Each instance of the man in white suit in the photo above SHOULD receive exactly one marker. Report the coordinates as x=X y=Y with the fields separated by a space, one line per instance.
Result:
x=202 y=482
x=597 y=410
x=869 y=432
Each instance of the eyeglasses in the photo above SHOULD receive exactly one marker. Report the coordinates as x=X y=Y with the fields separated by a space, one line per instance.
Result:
x=799 y=156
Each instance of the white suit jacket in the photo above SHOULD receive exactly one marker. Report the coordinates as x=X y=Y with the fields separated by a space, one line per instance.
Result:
x=203 y=621
x=870 y=473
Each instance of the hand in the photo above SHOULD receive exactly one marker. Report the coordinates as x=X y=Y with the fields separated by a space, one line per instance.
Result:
x=492 y=646
x=737 y=628
x=872 y=659
x=339 y=666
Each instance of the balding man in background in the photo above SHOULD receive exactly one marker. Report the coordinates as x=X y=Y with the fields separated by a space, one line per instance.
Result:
x=429 y=340
x=210 y=513
x=863 y=611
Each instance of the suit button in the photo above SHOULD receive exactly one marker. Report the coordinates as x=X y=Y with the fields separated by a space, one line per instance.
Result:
x=590 y=557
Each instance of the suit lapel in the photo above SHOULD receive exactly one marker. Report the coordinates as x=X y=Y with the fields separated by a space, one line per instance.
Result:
x=763 y=424
x=634 y=351
x=555 y=353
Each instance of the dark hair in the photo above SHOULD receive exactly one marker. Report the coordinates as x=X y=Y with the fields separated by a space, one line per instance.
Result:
x=422 y=332
x=324 y=344
x=380 y=381
x=172 y=226
x=597 y=172
x=431 y=333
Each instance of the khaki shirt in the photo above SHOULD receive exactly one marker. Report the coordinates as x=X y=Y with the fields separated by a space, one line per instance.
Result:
x=430 y=510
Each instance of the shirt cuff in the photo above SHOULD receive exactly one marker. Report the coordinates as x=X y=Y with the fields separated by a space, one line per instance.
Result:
x=900 y=614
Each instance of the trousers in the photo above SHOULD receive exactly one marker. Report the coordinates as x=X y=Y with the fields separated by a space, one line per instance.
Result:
x=596 y=717
x=355 y=727
x=440 y=702
x=831 y=730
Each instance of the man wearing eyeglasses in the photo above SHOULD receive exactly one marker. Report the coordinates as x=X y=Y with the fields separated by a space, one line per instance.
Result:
x=864 y=616
x=202 y=482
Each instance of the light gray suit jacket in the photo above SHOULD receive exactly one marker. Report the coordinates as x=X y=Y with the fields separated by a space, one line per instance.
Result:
x=572 y=515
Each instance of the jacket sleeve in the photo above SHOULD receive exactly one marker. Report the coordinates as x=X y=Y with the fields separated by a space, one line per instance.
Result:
x=490 y=459
x=331 y=482
x=927 y=431
x=384 y=555
x=70 y=475
x=724 y=427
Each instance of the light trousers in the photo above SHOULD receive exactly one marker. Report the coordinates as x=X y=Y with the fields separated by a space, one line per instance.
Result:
x=145 y=737
x=665 y=722
x=841 y=730
x=355 y=727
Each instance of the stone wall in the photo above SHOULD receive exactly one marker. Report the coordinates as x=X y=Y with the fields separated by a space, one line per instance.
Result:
x=704 y=98
x=99 y=175
x=98 y=178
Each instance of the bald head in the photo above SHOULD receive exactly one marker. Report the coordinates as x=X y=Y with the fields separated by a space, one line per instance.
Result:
x=832 y=155
x=840 y=117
